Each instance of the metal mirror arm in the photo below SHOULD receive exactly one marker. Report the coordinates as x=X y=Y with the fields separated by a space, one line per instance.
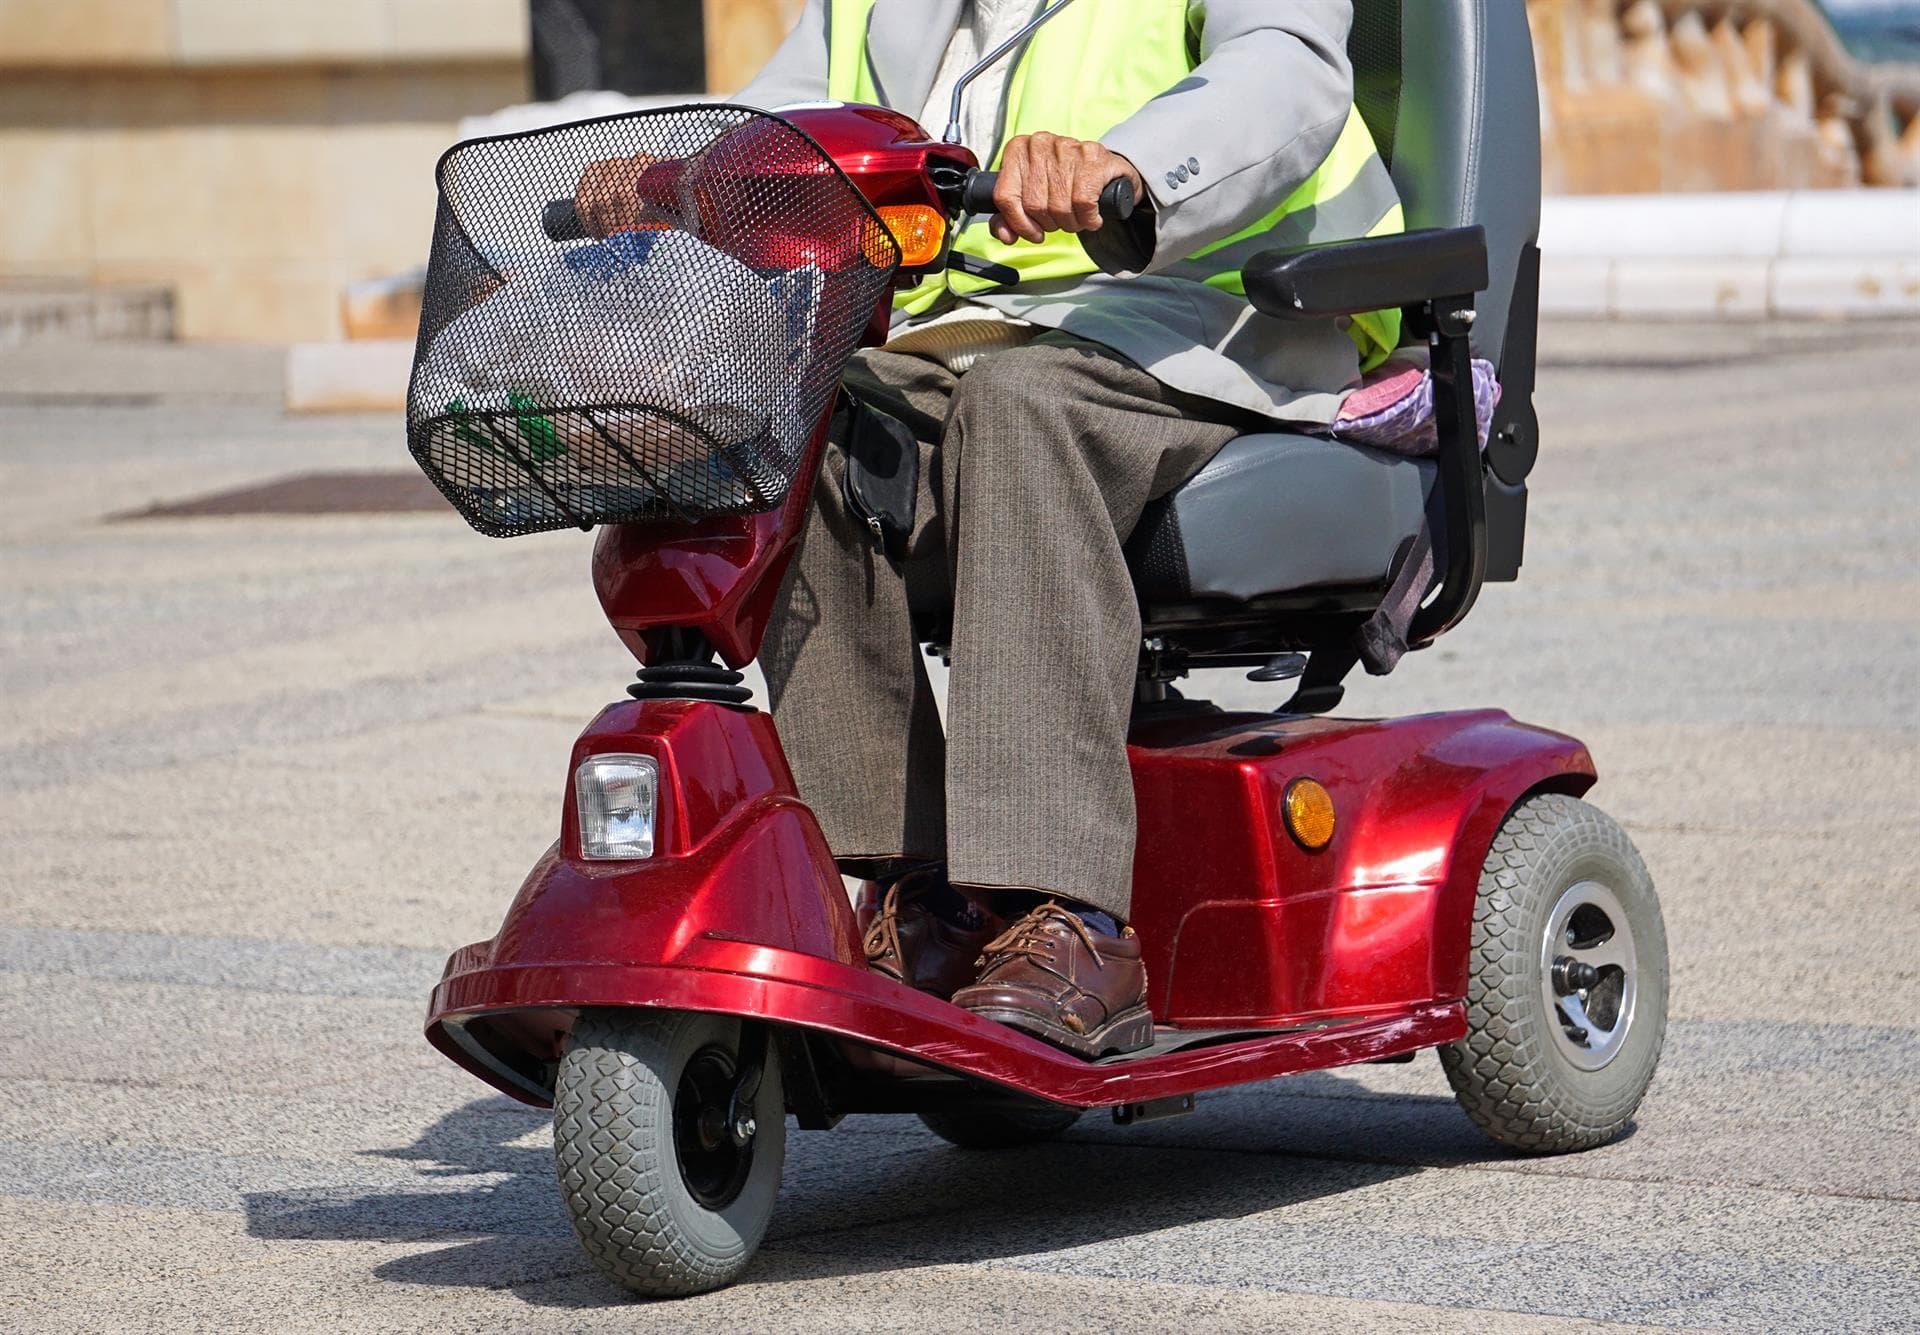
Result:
x=992 y=58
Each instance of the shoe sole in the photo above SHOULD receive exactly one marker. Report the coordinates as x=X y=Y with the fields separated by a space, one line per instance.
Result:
x=1129 y=1031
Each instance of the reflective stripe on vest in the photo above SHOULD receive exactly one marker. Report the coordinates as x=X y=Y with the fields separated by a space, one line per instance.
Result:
x=1082 y=74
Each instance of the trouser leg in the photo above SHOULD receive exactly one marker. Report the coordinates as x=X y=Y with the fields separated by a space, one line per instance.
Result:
x=848 y=684
x=1051 y=453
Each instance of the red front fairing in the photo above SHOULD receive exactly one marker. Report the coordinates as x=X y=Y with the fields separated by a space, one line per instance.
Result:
x=720 y=577
x=1346 y=955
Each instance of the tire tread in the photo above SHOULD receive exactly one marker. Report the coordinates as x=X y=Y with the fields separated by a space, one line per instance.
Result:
x=608 y=1100
x=1501 y=1071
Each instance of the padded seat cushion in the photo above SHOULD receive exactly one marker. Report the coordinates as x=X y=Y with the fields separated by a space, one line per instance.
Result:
x=1275 y=513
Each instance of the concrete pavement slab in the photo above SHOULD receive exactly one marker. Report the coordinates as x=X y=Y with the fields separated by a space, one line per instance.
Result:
x=257 y=776
x=123 y=1266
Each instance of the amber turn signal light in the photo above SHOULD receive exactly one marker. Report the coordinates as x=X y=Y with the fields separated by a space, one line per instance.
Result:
x=1308 y=809
x=919 y=230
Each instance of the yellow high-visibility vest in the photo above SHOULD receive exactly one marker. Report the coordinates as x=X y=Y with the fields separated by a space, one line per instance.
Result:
x=1085 y=72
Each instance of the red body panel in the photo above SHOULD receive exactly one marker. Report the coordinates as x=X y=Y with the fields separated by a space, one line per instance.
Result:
x=1242 y=926
x=720 y=578
x=742 y=911
x=737 y=855
x=882 y=152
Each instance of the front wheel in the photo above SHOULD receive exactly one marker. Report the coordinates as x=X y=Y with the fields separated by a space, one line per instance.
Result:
x=1567 y=991
x=667 y=1181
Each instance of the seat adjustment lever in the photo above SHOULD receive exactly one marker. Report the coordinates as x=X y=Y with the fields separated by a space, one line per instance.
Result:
x=1281 y=667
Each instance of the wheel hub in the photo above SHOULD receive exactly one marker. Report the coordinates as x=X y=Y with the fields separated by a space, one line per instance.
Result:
x=1587 y=974
x=714 y=1151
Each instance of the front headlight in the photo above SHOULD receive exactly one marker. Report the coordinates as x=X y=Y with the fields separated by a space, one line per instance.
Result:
x=615 y=797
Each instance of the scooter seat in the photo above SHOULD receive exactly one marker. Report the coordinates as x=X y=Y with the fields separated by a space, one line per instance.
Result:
x=1277 y=513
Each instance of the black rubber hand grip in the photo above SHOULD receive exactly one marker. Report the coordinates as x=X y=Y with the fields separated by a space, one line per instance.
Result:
x=562 y=222
x=976 y=196
x=1117 y=201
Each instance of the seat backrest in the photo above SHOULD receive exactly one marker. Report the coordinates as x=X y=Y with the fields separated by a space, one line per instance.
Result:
x=1449 y=90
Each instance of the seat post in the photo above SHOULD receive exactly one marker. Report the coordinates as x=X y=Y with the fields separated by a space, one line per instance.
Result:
x=1447 y=323
x=1160 y=664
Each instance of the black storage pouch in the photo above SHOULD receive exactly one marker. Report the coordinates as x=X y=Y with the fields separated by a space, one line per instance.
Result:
x=883 y=473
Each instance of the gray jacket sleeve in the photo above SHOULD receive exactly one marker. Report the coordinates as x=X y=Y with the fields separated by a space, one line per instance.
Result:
x=798 y=70
x=1252 y=122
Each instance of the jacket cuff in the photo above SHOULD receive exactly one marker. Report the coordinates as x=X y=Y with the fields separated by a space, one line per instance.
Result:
x=1202 y=199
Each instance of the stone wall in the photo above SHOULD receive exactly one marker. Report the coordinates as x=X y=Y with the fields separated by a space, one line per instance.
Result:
x=741 y=34
x=256 y=156
x=86 y=34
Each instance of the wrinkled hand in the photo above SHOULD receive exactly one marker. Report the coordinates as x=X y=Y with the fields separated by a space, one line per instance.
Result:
x=608 y=195
x=1049 y=183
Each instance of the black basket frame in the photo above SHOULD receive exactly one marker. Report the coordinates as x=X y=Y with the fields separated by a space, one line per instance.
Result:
x=419 y=431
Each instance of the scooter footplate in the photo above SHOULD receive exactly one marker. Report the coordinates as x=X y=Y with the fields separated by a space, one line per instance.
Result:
x=1168 y=1040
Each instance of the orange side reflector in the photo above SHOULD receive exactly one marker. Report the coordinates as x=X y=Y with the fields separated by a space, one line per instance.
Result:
x=1308 y=808
x=919 y=229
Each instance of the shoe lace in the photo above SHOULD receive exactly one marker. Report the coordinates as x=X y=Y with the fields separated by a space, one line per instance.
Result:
x=883 y=933
x=1027 y=938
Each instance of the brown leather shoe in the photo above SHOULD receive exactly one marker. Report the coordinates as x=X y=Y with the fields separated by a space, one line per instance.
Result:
x=906 y=942
x=1051 y=976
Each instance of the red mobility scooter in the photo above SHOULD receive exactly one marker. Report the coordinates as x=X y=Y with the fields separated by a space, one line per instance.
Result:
x=682 y=972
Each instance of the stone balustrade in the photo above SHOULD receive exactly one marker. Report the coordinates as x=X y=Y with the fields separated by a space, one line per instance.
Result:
x=1649 y=96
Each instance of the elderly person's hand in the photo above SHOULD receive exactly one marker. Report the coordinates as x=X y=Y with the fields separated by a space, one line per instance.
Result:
x=608 y=195
x=1050 y=183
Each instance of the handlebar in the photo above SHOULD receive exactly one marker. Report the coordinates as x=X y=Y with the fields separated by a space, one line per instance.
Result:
x=561 y=221
x=1117 y=201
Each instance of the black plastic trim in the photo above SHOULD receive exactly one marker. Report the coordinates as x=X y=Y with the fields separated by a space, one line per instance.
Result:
x=1377 y=273
x=1447 y=324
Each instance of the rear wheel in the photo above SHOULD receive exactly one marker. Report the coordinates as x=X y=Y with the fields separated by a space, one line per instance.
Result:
x=1567 y=994
x=669 y=1193
x=999 y=1128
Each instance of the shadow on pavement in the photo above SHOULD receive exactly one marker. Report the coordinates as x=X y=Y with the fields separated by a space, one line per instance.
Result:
x=473 y=1140
x=882 y=1194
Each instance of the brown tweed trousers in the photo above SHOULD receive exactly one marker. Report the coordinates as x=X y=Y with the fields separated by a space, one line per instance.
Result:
x=1035 y=466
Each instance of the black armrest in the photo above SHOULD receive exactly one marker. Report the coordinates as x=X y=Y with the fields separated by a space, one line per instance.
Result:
x=1376 y=274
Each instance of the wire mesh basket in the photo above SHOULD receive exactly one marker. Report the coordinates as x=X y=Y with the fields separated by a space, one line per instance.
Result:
x=675 y=369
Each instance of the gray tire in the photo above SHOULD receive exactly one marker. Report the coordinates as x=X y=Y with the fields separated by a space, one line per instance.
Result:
x=999 y=1128
x=664 y=1204
x=1547 y=1065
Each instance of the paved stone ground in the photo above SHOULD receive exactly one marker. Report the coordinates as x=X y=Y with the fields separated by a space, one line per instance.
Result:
x=257 y=775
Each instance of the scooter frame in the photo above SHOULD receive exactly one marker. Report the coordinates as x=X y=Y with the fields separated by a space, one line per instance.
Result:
x=1264 y=958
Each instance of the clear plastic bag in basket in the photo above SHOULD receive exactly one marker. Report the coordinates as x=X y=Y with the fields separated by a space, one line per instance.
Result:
x=614 y=333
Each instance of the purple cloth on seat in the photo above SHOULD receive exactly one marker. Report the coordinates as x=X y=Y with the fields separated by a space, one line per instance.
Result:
x=1393 y=408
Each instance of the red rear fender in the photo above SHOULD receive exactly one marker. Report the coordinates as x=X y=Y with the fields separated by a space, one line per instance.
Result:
x=1241 y=924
